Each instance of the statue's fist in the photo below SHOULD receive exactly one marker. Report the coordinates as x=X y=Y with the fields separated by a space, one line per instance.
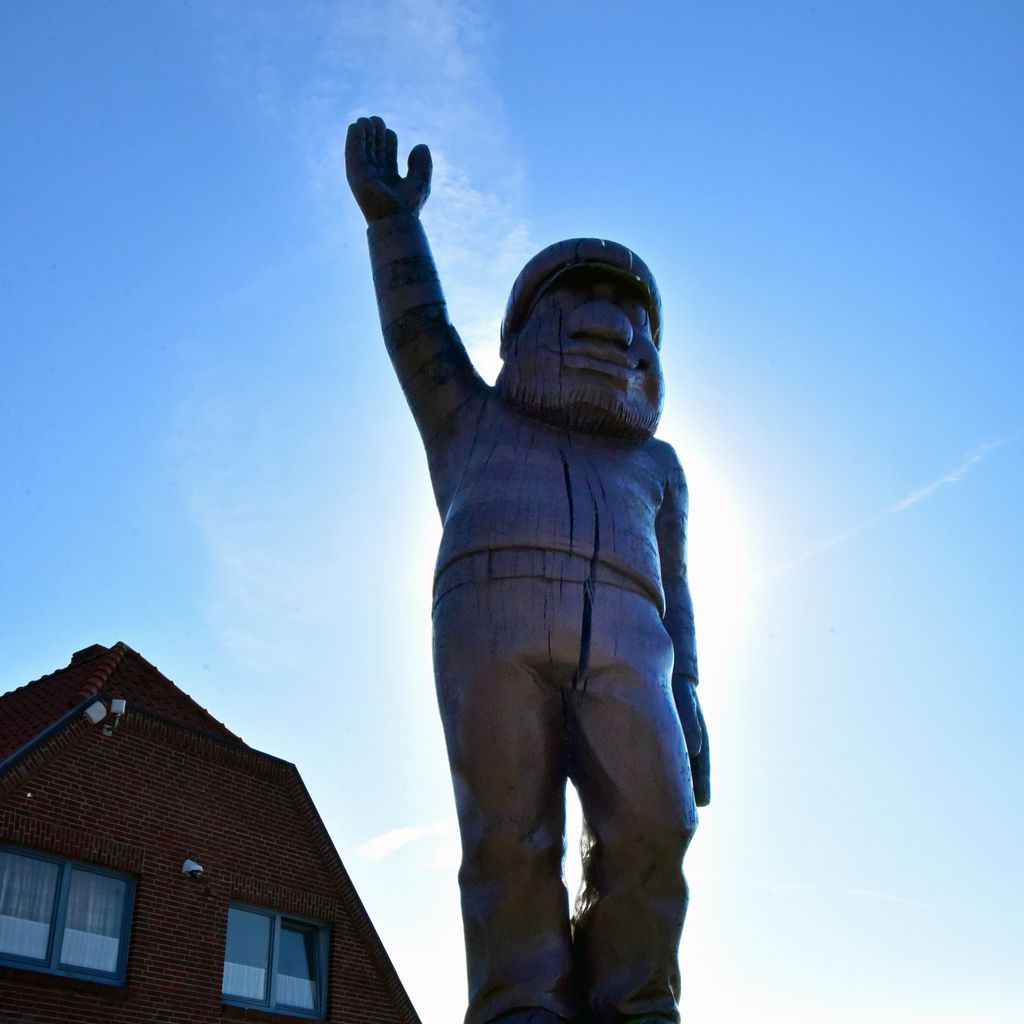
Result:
x=691 y=718
x=371 y=165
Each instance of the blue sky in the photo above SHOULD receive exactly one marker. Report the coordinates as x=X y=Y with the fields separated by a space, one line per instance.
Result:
x=207 y=457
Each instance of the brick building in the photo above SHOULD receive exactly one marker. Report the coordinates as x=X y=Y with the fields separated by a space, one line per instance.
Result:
x=102 y=918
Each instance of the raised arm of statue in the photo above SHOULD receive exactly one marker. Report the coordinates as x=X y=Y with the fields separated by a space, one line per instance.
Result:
x=671 y=530
x=429 y=358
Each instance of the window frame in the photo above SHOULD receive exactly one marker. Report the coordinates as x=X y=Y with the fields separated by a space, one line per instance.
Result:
x=270 y=1004
x=59 y=910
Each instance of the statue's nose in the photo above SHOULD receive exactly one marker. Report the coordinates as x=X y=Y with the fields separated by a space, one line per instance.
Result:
x=601 y=319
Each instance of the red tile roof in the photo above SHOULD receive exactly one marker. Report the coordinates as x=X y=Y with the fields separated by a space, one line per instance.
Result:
x=116 y=671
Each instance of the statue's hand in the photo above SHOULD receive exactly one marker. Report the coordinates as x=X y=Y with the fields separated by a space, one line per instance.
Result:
x=371 y=165
x=696 y=733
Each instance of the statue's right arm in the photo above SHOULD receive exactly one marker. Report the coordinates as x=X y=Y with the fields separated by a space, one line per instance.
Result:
x=430 y=361
x=429 y=358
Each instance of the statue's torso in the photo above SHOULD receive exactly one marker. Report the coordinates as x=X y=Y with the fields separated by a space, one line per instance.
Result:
x=519 y=497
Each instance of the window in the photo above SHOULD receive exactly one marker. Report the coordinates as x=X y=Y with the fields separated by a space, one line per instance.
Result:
x=275 y=961
x=63 y=917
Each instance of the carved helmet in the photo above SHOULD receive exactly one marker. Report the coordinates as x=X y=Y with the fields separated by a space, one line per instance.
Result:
x=555 y=260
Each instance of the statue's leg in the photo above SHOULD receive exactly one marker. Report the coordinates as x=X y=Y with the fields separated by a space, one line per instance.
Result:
x=631 y=770
x=505 y=734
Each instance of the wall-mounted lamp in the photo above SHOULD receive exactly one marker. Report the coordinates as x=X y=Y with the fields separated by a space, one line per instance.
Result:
x=117 y=706
x=192 y=869
x=95 y=713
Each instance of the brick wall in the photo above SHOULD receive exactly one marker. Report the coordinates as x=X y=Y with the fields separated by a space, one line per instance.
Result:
x=142 y=801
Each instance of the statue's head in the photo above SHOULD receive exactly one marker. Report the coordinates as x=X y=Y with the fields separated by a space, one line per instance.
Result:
x=580 y=340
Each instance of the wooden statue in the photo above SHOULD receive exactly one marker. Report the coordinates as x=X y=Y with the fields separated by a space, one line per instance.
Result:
x=563 y=626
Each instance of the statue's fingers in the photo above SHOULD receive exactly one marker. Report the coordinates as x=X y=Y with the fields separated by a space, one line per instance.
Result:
x=689 y=717
x=371 y=156
x=391 y=151
x=700 y=766
x=420 y=167
x=692 y=734
x=379 y=140
x=355 y=146
x=700 y=772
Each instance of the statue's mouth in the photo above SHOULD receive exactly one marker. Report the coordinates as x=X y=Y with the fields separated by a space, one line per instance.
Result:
x=595 y=355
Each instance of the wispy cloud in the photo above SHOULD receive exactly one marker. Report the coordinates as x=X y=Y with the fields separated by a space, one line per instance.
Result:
x=887 y=897
x=856 y=893
x=424 y=66
x=956 y=475
x=915 y=497
x=383 y=845
x=833 y=891
x=309 y=69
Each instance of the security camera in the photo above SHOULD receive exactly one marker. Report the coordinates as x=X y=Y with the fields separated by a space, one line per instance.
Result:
x=192 y=869
x=95 y=712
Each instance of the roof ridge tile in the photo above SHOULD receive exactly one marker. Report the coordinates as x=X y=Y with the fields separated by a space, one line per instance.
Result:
x=104 y=669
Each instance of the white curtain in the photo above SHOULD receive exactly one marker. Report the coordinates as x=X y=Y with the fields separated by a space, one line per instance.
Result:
x=27 y=889
x=298 y=992
x=244 y=981
x=92 y=928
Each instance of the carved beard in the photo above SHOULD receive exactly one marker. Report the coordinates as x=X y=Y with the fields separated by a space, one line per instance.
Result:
x=534 y=382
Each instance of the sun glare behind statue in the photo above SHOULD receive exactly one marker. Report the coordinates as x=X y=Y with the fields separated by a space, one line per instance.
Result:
x=719 y=554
